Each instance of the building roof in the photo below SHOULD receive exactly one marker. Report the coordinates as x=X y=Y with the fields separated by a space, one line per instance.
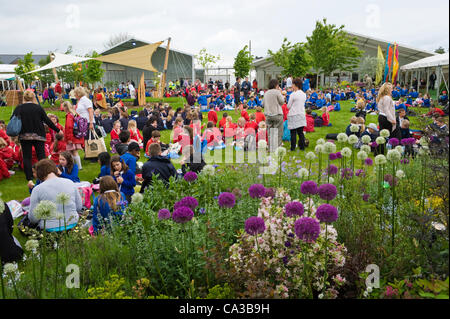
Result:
x=12 y=58
x=432 y=61
x=7 y=68
x=136 y=43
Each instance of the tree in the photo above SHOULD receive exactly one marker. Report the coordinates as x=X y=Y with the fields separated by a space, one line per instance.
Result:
x=332 y=49
x=206 y=60
x=293 y=58
x=243 y=63
x=369 y=66
x=440 y=50
x=45 y=76
x=94 y=71
x=24 y=66
x=116 y=39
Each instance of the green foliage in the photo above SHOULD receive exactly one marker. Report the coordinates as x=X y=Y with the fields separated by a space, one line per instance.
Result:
x=243 y=63
x=440 y=50
x=206 y=59
x=94 y=71
x=293 y=58
x=46 y=76
x=220 y=292
x=368 y=66
x=24 y=66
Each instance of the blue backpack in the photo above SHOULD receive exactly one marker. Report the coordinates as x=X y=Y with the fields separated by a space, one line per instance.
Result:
x=14 y=126
x=80 y=127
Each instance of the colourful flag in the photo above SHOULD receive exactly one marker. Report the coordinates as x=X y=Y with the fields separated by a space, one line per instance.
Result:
x=395 y=65
x=380 y=65
x=387 y=67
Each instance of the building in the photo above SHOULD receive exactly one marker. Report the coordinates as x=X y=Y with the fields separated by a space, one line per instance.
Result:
x=267 y=70
x=180 y=65
x=14 y=58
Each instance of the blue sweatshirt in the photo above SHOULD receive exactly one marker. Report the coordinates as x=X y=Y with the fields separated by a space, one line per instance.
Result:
x=129 y=182
x=73 y=176
x=130 y=160
x=105 y=171
x=103 y=213
x=203 y=100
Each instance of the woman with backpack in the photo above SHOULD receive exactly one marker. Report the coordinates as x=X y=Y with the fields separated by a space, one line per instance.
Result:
x=32 y=133
x=73 y=143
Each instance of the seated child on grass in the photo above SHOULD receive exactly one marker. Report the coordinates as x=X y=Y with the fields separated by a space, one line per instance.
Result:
x=123 y=176
x=124 y=138
x=309 y=121
x=67 y=168
x=59 y=146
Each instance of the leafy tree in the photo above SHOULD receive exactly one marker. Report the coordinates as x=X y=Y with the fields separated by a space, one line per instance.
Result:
x=332 y=49
x=243 y=63
x=440 y=50
x=45 y=76
x=369 y=66
x=24 y=66
x=116 y=39
x=206 y=60
x=94 y=71
x=293 y=58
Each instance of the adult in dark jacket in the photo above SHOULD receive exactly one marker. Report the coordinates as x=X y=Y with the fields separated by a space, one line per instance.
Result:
x=149 y=127
x=246 y=87
x=10 y=249
x=237 y=91
x=141 y=120
x=158 y=166
x=33 y=132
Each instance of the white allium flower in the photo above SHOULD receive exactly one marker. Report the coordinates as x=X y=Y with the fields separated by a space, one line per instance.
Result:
x=58 y=215
x=380 y=159
x=310 y=156
x=319 y=149
x=280 y=152
x=399 y=149
x=366 y=294
x=366 y=148
x=320 y=141
x=329 y=147
x=321 y=296
x=423 y=151
x=346 y=152
x=137 y=198
x=303 y=173
x=366 y=139
x=438 y=226
x=362 y=155
x=385 y=133
x=31 y=245
x=209 y=170
x=262 y=144
x=369 y=289
x=353 y=139
x=2 y=206
x=10 y=268
x=423 y=141
x=331 y=180
x=45 y=210
x=63 y=198
x=342 y=137
x=393 y=156
x=354 y=128
x=400 y=174
x=380 y=140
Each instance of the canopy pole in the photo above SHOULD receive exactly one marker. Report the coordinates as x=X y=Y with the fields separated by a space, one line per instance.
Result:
x=164 y=75
x=428 y=78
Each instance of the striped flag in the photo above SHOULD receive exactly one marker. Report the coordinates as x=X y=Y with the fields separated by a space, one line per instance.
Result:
x=380 y=65
x=395 y=65
x=387 y=67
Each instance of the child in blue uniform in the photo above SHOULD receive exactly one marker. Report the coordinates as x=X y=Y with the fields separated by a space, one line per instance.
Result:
x=123 y=176
x=67 y=167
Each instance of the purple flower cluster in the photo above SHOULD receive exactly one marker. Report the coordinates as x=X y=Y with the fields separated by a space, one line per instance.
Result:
x=257 y=191
x=332 y=156
x=189 y=202
x=255 y=225
x=339 y=155
x=366 y=197
x=294 y=208
x=327 y=191
x=164 y=214
x=327 y=213
x=394 y=141
x=408 y=141
x=360 y=173
x=309 y=188
x=227 y=200
x=190 y=176
x=182 y=215
x=307 y=229
x=404 y=161
x=368 y=161
x=347 y=173
x=391 y=180
x=374 y=144
x=332 y=169
x=270 y=192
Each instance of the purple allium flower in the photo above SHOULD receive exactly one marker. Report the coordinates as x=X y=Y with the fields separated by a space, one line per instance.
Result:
x=394 y=141
x=190 y=176
x=164 y=214
x=227 y=200
x=374 y=144
x=327 y=213
x=360 y=173
x=327 y=191
x=307 y=229
x=332 y=156
x=339 y=155
x=309 y=188
x=285 y=260
x=347 y=173
x=332 y=169
x=182 y=215
x=368 y=161
x=391 y=180
x=257 y=191
x=270 y=192
x=294 y=208
x=404 y=161
x=189 y=202
x=255 y=225
x=287 y=244
x=291 y=235
x=366 y=197
x=408 y=141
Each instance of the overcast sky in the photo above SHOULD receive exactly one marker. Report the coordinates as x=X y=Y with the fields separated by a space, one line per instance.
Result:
x=222 y=27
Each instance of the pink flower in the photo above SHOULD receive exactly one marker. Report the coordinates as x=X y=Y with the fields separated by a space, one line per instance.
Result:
x=390 y=292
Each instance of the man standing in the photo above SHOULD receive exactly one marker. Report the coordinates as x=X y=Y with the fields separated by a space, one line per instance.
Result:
x=273 y=100
x=433 y=79
x=237 y=92
x=246 y=87
x=289 y=82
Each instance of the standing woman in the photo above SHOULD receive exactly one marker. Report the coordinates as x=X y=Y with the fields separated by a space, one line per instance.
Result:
x=73 y=144
x=85 y=109
x=32 y=133
x=386 y=107
x=296 y=116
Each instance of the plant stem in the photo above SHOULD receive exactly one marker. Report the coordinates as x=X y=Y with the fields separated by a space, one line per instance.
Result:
x=1 y=279
x=42 y=270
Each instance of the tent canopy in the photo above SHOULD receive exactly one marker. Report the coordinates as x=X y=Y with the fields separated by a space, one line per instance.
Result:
x=432 y=61
x=7 y=76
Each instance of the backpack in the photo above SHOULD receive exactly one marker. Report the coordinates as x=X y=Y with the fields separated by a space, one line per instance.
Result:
x=80 y=127
x=14 y=126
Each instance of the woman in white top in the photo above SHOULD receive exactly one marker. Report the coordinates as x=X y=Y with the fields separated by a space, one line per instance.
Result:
x=296 y=116
x=85 y=109
x=386 y=107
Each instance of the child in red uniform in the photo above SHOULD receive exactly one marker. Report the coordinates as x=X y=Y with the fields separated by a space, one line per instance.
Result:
x=212 y=135
x=325 y=116
x=309 y=121
x=59 y=146
x=135 y=135
x=260 y=117
x=212 y=115
x=229 y=130
x=223 y=121
x=177 y=129
x=244 y=113
x=253 y=123
x=262 y=132
x=55 y=121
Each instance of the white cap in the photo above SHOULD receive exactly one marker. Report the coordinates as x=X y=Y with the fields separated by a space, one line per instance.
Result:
x=373 y=126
